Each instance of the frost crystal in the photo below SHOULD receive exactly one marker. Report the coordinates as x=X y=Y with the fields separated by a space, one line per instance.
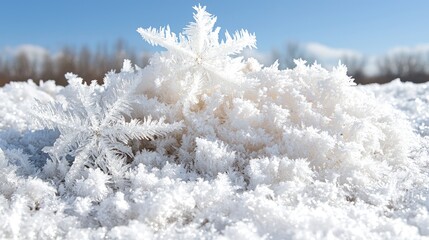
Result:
x=93 y=129
x=197 y=62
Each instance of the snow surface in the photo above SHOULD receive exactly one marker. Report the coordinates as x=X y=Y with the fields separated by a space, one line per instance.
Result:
x=203 y=144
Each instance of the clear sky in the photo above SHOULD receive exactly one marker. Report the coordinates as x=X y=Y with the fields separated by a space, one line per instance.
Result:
x=367 y=26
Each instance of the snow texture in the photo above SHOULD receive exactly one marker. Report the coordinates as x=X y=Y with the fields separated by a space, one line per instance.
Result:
x=205 y=144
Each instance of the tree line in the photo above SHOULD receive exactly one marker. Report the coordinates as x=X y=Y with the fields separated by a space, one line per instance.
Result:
x=408 y=66
x=92 y=64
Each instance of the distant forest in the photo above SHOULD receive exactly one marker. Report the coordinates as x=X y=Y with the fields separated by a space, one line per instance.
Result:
x=85 y=62
x=93 y=64
x=408 y=66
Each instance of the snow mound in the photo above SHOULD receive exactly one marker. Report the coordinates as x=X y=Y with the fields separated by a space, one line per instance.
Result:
x=413 y=99
x=203 y=143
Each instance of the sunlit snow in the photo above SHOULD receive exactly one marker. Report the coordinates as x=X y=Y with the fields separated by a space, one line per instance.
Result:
x=203 y=143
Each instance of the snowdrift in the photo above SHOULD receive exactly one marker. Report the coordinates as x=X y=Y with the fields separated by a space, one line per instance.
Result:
x=204 y=143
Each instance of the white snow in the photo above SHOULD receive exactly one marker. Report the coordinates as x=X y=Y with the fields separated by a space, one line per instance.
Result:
x=202 y=144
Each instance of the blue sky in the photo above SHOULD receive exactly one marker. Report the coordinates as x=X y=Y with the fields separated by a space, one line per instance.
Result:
x=369 y=27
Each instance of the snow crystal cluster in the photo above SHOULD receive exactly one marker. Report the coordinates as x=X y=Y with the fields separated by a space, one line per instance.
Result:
x=205 y=144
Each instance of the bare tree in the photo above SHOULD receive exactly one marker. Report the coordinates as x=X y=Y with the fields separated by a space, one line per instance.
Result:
x=103 y=62
x=65 y=63
x=144 y=59
x=406 y=66
x=293 y=51
x=84 y=64
x=48 y=68
x=23 y=68
x=355 y=67
x=120 y=53
x=4 y=71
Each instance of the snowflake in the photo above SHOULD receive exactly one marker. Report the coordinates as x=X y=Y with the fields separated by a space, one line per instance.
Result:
x=198 y=54
x=93 y=126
